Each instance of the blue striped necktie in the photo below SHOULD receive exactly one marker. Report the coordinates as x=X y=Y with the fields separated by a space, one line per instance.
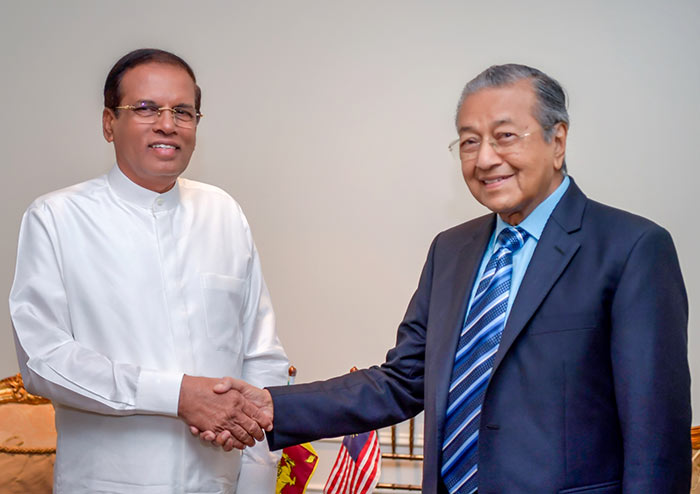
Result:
x=478 y=343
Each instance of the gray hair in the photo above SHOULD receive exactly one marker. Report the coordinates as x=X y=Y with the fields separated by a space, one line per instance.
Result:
x=551 y=98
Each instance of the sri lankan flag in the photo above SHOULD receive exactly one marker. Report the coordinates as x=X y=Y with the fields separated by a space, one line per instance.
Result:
x=295 y=469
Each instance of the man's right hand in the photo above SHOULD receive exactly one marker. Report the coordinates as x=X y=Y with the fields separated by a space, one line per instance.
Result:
x=260 y=398
x=228 y=413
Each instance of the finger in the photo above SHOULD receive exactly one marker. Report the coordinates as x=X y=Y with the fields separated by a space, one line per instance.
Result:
x=256 y=414
x=250 y=427
x=257 y=420
x=228 y=446
x=233 y=443
x=242 y=435
x=242 y=413
x=208 y=436
x=226 y=384
x=194 y=430
x=265 y=420
x=222 y=438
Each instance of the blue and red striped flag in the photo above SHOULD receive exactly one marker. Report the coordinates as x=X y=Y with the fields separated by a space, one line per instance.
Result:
x=356 y=470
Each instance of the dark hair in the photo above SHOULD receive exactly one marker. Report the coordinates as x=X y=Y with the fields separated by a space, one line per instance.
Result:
x=551 y=98
x=139 y=57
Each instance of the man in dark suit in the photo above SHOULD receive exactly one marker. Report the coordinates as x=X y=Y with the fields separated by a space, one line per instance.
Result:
x=547 y=343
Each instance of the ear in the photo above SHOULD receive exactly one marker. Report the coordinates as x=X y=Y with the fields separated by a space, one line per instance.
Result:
x=108 y=118
x=559 y=140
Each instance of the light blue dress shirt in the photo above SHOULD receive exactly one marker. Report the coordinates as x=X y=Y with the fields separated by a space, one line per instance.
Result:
x=533 y=224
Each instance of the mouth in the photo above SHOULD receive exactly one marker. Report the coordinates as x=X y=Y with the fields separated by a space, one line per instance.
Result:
x=163 y=146
x=494 y=181
x=164 y=150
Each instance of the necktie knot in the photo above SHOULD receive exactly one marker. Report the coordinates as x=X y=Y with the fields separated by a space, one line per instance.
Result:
x=512 y=238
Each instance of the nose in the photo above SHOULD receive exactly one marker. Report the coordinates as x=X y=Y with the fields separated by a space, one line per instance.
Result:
x=165 y=122
x=487 y=156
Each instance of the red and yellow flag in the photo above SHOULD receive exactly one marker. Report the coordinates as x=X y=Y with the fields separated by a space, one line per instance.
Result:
x=297 y=465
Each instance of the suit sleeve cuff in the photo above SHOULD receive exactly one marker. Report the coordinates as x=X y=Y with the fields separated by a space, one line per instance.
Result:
x=158 y=392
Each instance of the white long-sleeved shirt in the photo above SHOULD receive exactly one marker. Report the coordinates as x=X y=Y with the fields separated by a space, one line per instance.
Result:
x=118 y=292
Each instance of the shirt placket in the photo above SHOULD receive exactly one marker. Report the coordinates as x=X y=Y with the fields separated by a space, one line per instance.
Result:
x=173 y=285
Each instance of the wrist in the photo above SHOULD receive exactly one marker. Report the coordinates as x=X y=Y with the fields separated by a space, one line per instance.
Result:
x=270 y=405
x=186 y=388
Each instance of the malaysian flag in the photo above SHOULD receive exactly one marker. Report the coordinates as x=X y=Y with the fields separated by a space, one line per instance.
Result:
x=356 y=470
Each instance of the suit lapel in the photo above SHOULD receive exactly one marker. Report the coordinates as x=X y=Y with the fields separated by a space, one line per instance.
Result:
x=464 y=271
x=553 y=253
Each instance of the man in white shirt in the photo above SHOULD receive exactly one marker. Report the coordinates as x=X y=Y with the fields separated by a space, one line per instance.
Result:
x=129 y=285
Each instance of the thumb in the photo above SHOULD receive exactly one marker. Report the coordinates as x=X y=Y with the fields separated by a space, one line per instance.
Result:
x=226 y=384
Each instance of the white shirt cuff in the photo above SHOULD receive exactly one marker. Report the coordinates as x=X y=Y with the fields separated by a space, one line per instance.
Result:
x=158 y=392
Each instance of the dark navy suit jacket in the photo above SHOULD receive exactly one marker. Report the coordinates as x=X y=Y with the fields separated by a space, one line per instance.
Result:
x=590 y=391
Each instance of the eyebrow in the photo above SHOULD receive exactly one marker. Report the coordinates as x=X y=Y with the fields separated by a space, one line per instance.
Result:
x=151 y=102
x=468 y=128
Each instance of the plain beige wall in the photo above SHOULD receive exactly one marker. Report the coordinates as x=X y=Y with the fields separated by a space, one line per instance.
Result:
x=329 y=122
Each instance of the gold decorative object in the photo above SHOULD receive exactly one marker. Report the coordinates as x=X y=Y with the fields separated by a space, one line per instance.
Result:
x=12 y=391
x=10 y=450
x=695 y=440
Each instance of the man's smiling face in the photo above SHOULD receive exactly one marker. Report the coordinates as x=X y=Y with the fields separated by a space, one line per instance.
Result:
x=513 y=182
x=152 y=155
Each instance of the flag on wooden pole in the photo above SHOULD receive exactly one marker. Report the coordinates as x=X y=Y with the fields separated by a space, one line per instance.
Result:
x=357 y=467
x=297 y=465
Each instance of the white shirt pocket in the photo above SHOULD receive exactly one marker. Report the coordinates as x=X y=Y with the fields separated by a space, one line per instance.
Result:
x=224 y=301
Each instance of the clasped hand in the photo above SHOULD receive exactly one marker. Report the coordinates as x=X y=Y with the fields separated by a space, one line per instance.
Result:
x=228 y=412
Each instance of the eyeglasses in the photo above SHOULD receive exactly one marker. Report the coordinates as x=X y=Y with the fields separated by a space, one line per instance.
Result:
x=502 y=143
x=184 y=117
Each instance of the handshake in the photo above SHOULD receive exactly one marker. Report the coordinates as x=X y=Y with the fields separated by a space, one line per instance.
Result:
x=228 y=412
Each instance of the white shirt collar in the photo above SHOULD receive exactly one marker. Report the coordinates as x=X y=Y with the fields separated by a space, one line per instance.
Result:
x=140 y=196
